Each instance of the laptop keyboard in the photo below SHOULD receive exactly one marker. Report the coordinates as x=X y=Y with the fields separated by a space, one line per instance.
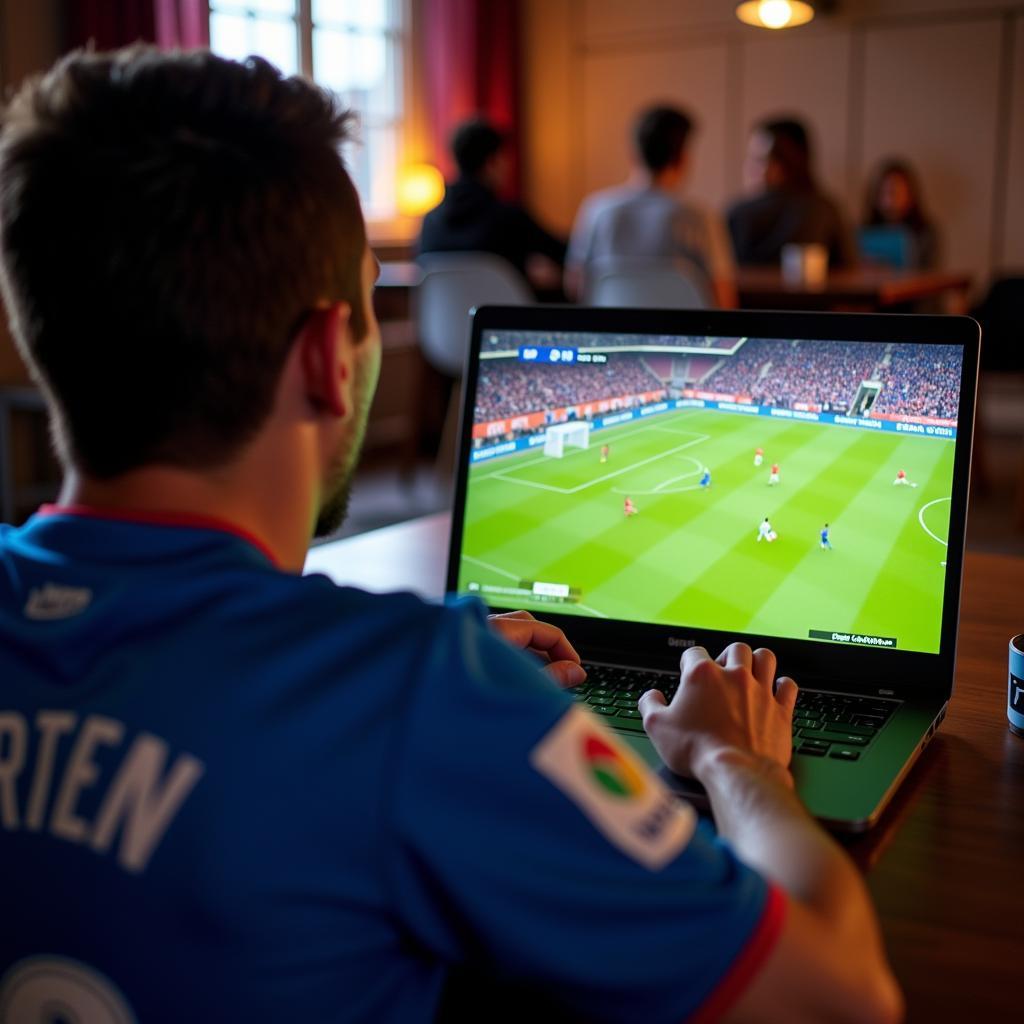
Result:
x=612 y=692
x=836 y=725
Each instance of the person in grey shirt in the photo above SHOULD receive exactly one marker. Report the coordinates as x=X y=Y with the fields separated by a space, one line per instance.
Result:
x=644 y=222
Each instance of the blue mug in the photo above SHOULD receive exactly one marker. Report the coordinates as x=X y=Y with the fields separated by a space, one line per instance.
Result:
x=1015 y=691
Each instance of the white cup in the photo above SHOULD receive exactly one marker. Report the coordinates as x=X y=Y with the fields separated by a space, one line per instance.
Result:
x=805 y=265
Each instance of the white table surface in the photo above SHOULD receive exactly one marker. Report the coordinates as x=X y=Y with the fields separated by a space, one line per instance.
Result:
x=407 y=556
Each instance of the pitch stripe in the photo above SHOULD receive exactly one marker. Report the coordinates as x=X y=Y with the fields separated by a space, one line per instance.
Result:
x=698 y=438
x=608 y=435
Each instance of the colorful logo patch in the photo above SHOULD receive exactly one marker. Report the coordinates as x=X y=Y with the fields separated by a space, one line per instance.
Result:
x=610 y=770
x=612 y=787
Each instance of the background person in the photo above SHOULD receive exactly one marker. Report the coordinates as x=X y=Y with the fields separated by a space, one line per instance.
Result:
x=228 y=791
x=894 y=200
x=787 y=205
x=645 y=222
x=472 y=216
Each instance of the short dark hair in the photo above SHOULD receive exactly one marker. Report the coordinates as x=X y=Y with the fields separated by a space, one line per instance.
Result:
x=474 y=142
x=791 y=148
x=659 y=135
x=166 y=222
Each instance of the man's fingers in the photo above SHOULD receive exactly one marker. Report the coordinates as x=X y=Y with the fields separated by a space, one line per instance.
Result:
x=546 y=641
x=737 y=655
x=692 y=656
x=540 y=637
x=785 y=692
x=650 y=701
x=764 y=665
x=566 y=673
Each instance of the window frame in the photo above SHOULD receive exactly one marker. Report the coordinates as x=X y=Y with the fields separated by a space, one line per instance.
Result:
x=394 y=228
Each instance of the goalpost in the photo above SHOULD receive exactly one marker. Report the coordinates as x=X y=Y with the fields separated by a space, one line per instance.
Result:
x=575 y=434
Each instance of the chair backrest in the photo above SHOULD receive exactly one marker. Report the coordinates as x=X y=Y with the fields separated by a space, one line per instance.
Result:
x=655 y=287
x=454 y=283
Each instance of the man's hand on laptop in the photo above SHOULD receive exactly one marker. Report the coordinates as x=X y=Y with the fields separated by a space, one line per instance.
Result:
x=730 y=704
x=729 y=725
x=547 y=642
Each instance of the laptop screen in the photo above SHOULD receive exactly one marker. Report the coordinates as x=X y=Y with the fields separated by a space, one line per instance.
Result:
x=786 y=488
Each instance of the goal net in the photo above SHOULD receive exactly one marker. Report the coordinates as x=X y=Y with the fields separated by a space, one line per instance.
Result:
x=562 y=435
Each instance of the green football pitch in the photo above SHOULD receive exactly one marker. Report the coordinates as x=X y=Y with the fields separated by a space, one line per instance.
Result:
x=690 y=556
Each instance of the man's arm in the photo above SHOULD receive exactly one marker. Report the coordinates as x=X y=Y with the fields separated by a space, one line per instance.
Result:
x=727 y=728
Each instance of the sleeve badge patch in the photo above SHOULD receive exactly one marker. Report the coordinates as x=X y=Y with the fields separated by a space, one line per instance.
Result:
x=624 y=800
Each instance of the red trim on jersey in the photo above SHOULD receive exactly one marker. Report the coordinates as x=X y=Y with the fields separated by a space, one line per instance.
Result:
x=742 y=970
x=179 y=519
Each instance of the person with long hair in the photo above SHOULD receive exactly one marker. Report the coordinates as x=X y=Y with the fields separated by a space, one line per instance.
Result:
x=787 y=204
x=894 y=200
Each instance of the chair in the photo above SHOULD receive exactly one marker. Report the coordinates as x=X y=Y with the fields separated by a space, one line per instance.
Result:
x=453 y=284
x=673 y=286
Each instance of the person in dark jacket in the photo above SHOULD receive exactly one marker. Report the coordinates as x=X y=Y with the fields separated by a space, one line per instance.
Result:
x=473 y=217
x=788 y=206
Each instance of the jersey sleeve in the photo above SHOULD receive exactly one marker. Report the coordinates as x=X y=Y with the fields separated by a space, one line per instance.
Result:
x=529 y=841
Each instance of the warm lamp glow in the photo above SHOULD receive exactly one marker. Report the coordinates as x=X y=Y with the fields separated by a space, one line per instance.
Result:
x=774 y=13
x=420 y=189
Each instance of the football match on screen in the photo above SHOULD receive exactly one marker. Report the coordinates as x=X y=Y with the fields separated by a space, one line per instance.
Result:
x=783 y=488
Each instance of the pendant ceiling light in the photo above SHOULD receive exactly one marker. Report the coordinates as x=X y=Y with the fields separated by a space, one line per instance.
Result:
x=775 y=13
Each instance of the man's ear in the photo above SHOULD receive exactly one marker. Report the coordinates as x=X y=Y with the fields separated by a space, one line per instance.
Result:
x=327 y=359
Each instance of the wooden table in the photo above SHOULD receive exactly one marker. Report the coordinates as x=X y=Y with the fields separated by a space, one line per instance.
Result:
x=864 y=289
x=946 y=862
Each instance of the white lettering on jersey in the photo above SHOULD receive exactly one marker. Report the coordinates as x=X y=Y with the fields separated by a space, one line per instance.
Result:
x=50 y=725
x=56 y=988
x=13 y=743
x=624 y=800
x=140 y=801
x=56 y=601
x=81 y=773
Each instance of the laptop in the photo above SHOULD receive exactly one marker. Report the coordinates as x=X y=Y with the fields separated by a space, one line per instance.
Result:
x=651 y=480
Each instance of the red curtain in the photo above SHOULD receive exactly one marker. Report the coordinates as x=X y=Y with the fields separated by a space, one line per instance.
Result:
x=182 y=24
x=108 y=24
x=470 y=53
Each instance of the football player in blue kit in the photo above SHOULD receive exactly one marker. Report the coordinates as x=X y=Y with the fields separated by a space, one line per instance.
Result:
x=232 y=792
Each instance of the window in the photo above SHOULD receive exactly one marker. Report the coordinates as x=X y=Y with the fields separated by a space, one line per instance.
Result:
x=352 y=47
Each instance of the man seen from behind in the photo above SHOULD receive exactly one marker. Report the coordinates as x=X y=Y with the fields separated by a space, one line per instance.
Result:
x=231 y=792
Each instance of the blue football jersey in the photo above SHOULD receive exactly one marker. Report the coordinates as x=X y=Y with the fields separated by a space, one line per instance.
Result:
x=229 y=792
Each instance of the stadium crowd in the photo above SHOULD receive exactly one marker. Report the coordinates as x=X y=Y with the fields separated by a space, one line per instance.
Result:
x=921 y=380
x=917 y=380
x=780 y=373
x=507 y=387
